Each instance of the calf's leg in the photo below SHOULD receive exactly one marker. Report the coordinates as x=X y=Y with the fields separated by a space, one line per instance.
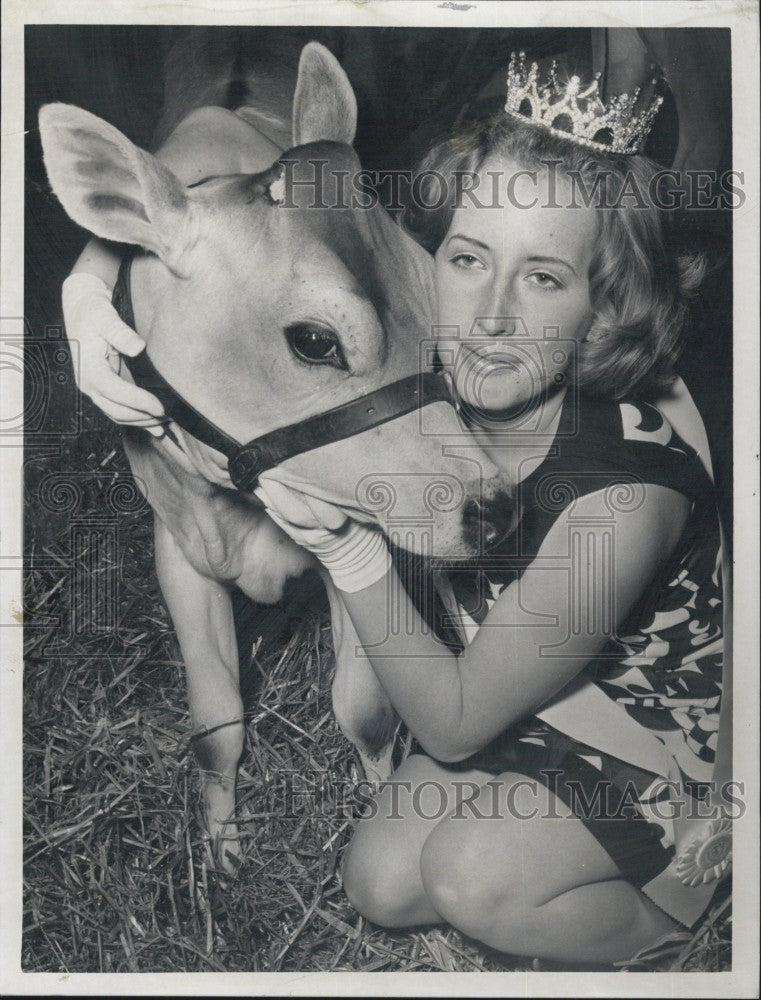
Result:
x=362 y=709
x=201 y=611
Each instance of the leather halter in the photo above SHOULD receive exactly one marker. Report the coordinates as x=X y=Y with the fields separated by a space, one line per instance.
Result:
x=246 y=462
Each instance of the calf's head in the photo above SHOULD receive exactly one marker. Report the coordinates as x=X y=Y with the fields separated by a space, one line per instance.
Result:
x=267 y=298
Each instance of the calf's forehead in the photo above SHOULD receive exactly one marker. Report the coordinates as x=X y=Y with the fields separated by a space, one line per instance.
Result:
x=300 y=233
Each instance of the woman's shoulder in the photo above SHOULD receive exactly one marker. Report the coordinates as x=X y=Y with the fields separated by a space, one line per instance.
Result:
x=588 y=419
x=608 y=449
x=630 y=439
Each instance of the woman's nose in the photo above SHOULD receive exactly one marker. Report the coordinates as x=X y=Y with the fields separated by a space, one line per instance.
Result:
x=496 y=326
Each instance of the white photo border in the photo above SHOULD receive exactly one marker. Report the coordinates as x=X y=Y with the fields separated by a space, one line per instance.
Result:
x=742 y=18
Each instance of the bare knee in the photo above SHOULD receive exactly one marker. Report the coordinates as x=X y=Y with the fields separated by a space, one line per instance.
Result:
x=375 y=886
x=467 y=889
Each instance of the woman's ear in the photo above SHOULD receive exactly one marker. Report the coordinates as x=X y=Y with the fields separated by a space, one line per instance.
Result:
x=594 y=335
x=597 y=330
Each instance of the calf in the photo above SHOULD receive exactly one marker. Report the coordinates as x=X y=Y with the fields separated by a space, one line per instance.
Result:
x=262 y=311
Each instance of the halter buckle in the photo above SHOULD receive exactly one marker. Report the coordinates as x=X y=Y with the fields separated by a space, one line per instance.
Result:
x=244 y=468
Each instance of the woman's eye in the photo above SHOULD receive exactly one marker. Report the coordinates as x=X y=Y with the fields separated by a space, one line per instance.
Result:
x=545 y=280
x=317 y=345
x=466 y=261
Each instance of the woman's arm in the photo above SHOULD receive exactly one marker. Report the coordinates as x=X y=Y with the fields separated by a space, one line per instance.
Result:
x=540 y=633
x=100 y=259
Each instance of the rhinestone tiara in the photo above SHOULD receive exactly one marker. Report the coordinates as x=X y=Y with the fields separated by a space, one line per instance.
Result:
x=574 y=111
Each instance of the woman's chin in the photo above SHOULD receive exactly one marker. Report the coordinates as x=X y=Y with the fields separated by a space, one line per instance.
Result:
x=496 y=400
x=504 y=399
x=491 y=390
x=500 y=401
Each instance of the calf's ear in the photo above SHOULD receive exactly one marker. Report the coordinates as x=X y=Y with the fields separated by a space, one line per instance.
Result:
x=324 y=105
x=111 y=187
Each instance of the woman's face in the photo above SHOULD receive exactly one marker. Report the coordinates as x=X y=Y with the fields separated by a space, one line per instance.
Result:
x=513 y=289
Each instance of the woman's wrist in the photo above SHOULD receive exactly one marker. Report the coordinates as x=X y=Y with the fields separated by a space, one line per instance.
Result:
x=355 y=555
x=99 y=260
x=361 y=559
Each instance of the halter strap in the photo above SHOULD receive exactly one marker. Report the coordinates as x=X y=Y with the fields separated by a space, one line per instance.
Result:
x=148 y=377
x=336 y=424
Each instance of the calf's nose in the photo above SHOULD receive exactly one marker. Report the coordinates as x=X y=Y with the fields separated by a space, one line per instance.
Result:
x=486 y=521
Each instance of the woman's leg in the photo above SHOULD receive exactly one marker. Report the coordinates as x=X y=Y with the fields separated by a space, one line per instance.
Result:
x=381 y=869
x=540 y=886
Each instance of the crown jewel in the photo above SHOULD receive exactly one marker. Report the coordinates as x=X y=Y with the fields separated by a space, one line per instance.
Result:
x=575 y=111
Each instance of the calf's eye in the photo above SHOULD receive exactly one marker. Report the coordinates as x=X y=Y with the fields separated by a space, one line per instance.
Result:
x=315 y=344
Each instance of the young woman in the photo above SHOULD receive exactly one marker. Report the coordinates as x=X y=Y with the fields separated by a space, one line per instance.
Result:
x=558 y=320
x=533 y=829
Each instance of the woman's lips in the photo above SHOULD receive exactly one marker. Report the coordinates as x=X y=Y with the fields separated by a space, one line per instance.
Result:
x=491 y=377
x=483 y=362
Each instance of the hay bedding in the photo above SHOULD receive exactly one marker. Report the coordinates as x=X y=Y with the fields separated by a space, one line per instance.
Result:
x=117 y=877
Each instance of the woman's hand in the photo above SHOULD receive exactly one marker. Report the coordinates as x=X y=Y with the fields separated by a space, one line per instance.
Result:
x=355 y=555
x=93 y=323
